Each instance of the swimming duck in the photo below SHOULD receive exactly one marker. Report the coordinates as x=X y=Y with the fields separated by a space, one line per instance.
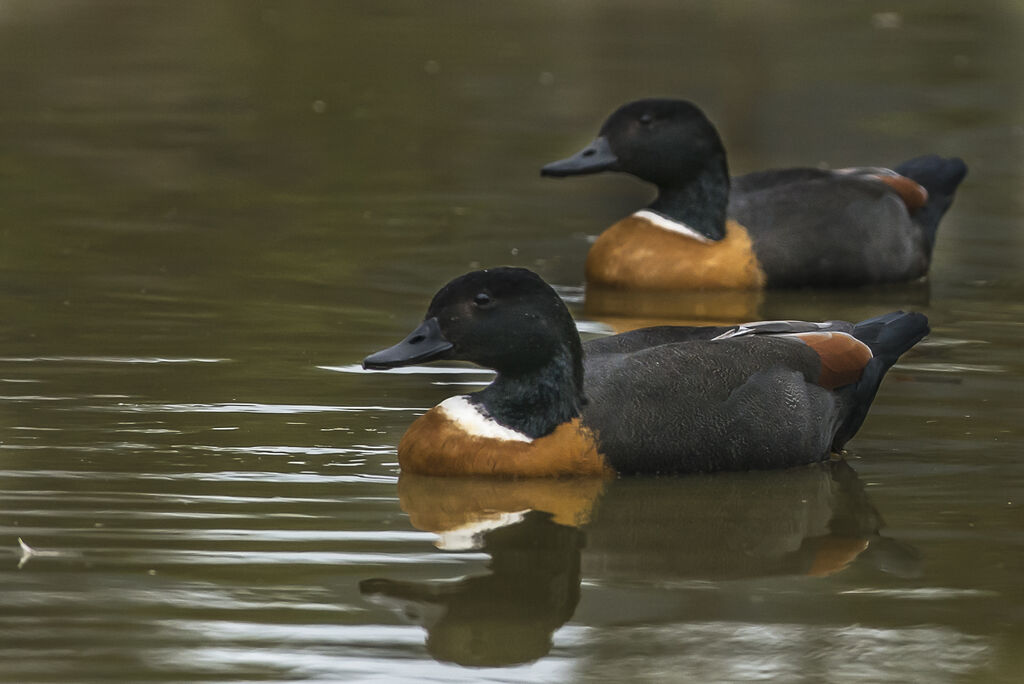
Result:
x=666 y=399
x=777 y=228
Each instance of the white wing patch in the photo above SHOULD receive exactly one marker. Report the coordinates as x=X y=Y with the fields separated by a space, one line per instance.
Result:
x=775 y=327
x=472 y=420
x=865 y=171
x=668 y=224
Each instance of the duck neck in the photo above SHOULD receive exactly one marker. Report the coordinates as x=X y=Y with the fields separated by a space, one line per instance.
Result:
x=536 y=402
x=700 y=201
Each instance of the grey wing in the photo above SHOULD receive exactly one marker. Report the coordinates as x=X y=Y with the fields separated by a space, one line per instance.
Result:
x=644 y=338
x=839 y=229
x=731 y=405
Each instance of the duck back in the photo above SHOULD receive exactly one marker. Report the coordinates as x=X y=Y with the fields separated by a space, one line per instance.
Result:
x=704 y=406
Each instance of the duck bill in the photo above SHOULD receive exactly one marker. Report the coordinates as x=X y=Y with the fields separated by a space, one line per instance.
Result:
x=425 y=343
x=594 y=158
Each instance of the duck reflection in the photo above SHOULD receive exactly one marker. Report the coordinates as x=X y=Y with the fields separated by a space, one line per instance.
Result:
x=533 y=533
x=544 y=536
x=462 y=509
x=624 y=310
x=627 y=309
x=804 y=521
x=505 y=617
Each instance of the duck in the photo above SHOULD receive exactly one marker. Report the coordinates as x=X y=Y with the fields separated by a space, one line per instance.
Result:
x=658 y=400
x=779 y=228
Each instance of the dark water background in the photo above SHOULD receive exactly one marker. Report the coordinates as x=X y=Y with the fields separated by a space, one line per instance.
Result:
x=209 y=211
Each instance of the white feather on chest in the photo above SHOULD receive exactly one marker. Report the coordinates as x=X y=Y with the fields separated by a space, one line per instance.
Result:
x=472 y=420
x=671 y=226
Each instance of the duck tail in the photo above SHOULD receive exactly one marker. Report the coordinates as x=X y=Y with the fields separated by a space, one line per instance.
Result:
x=940 y=176
x=888 y=336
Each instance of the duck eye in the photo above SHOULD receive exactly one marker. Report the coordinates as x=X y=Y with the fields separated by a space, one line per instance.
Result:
x=646 y=118
x=482 y=299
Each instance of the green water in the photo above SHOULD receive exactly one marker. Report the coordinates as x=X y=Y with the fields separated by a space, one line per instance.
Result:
x=211 y=211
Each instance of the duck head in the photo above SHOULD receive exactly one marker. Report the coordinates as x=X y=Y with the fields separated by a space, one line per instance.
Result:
x=669 y=143
x=506 y=319
x=511 y=321
x=658 y=140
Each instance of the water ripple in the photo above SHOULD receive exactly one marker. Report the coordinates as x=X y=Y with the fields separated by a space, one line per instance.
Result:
x=410 y=370
x=105 y=359
x=283 y=450
x=216 y=476
x=952 y=367
x=924 y=593
x=244 y=407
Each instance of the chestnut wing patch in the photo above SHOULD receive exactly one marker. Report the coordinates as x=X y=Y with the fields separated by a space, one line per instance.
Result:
x=912 y=194
x=843 y=357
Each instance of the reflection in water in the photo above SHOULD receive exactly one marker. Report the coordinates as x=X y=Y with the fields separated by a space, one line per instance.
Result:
x=805 y=521
x=281 y=185
x=452 y=505
x=506 y=617
x=531 y=530
x=543 y=536
x=866 y=302
x=611 y=304
x=624 y=310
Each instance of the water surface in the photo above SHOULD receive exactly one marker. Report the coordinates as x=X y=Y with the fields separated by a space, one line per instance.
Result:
x=210 y=211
